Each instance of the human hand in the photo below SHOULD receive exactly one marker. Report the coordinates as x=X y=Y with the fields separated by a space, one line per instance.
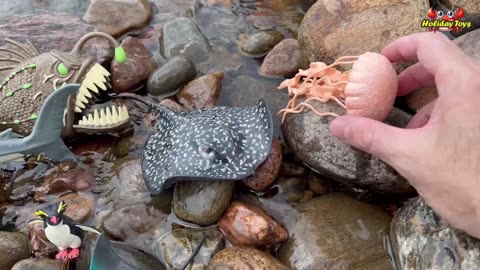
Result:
x=439 y=151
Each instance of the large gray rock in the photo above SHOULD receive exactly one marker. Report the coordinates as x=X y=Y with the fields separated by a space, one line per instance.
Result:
x=181 y=37
x=38 y=264
x=166 y=80
x=14 y=247
x=333 y=232
x=202 y=202
x=421 y=240
x=309 y=137
x=240 y=258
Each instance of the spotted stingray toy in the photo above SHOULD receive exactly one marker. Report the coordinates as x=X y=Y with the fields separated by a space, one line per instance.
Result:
x=219 y=143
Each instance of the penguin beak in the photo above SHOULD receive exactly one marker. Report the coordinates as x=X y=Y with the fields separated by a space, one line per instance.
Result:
x=54 y=220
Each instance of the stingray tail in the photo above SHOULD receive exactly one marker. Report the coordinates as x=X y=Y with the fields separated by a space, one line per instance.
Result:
x=155 y=106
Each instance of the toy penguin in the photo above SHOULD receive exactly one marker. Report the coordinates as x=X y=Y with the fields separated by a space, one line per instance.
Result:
x=62 y=231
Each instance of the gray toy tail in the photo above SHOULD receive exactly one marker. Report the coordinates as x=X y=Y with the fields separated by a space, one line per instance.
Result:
x=47 y=131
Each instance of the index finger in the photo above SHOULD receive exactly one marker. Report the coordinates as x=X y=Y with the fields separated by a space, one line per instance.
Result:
x=433 y=50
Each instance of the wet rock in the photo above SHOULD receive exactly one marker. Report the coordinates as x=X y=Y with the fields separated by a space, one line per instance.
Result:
x=259 y=44
x=420 y=239
x=39 y=243
x=18 y=247
x=116 y=17
x=239 y=258
x=217 y=3
x=182 y=37
x=283 y=60
x=202 y=202
x=38 y=264
x=470 y=43
x=63 y=33
x=4 y=177
x=291 y=170
x=268 y=171
x=421 y=97
x=318 y=184
x=247 y=225
x=310 y=139
x=201 y=93
x=331 y=29
x=122 y=148
x=335 y=232
x=307 y=196
x=79 y=207
x=75 y=179
x=169 y=103
x=177 y=247
x=171 y=76
x=27 y=179
x=292 y=189
x=134 y=72
x=139 y=225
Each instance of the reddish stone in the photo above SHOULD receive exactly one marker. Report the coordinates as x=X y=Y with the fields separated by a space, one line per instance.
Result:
x=40 y=246
x=247 y=225
x=202 y=92
x=268 y=171
x=283 y=60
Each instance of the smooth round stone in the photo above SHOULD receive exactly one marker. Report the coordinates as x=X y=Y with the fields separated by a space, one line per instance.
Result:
x=172 y=75
x=420 y=239
x=214 y=196
x=18 y=247
x=282 y=60
x=38 y=264
x=202 y=92
x=241 y=258
x=259 y=44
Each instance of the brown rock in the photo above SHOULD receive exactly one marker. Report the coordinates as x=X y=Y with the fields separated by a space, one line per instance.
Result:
x=318 y=184
x=39 y=243
x=291 y=170
x=247 y=225
x=79 y=207
x=241 y=258
x=470 y=43
x=331 y=29
x=421 y=97
x=134 y=72
x=172 y=104
x=307 y=196
x=292 y=189
x=268 y=171
x=202 y=92
x=76 y=179
x=14 y=246
x=282 y=60
x=116 y=17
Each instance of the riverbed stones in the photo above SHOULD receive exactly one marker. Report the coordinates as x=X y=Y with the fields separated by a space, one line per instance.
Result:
x=15 y=247
x=38 y=264
x=335 y=232
x=310 y=139
x=172 y=75
x=240 y=258
x=116 y=17
x=259 y=44
x=182 y=37
x=134 y=72
x=202 y=92
x=282 y=60
x=268 y=171
x=214 y=195
x=331 y=29
x=420 y=239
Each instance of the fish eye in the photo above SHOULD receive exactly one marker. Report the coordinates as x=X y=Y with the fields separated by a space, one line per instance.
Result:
x=62 y=69
x=439 y=14
x=450 y=14
x=206 y=152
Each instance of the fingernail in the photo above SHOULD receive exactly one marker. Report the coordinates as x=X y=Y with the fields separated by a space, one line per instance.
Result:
x=340 y=128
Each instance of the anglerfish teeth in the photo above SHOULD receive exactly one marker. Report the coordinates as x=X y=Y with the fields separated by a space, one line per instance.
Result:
x=105 y=117
x=95 y=78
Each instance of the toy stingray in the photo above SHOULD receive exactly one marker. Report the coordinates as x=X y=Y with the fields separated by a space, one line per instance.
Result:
x=34 y=77
x=219 y=143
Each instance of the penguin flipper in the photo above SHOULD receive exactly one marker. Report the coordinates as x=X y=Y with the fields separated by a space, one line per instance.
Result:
x=88 y=229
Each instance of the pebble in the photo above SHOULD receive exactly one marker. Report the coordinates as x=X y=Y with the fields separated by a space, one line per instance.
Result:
x=282 y=60
x=259 y=44
x=318 y=184
x=18 y=247
x=268 y=171
x=292 y=189
x=134 y=72
x=177 y=247
x=39 y=243
x=172 y=104
x=116 y=17
x=202 y=92
x=310 y=139
x=75 y=179
x=420 y=239
x=241 y=258
x=182 y=37
x=214 y=196
x=38 y=264
x=247 y=225
x=79 y=207
x=171 y=76
x=292 y=170
x=335 y=232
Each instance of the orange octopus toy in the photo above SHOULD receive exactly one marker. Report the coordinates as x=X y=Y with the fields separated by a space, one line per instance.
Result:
x=368 y=89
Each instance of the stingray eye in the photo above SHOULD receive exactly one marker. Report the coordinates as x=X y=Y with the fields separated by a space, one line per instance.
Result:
x=450 y=14
x=439 y=14
x=206 y=152
x=62 y=69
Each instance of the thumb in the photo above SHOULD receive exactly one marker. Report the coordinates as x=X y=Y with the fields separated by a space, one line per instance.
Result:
x=388 y=143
